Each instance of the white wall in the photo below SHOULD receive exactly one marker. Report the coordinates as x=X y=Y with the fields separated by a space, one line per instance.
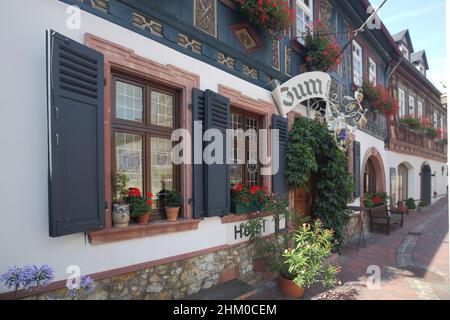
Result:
x=23 y=137
x=439 y=182
x=368 y=142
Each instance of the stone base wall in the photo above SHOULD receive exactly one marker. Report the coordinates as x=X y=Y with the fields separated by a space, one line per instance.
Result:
x=174 y=280
x=353 y=227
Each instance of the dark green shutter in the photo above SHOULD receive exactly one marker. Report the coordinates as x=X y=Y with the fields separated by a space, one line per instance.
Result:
x=211 y=183
x=357 y=168
x=198 y=177
x=217 y=176
x=75 y=136
x=279 y=181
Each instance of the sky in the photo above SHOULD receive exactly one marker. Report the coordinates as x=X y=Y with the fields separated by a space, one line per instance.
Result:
x=425 y=20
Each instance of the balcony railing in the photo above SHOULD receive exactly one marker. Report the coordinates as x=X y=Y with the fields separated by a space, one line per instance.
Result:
x=375 y=130
x=403 y=139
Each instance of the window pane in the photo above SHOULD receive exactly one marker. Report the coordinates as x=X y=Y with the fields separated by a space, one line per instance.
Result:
x=129 y=105
x=161 y=166
x=162 y=109
x=252 y=155
x=129 y=157
x=237 y=154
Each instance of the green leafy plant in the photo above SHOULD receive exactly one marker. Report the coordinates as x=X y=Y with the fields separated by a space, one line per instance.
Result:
x=139 y=204
x=121 y=182
x=274 y=248
x=412 y=122
x=431 y=133
x=411 y=204
x=248 y=197
x=305 y=260
x=173 y=199
x=312 y=149
x=323 y=51
x=272 y=16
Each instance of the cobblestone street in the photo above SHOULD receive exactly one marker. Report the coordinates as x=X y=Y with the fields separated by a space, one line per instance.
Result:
x=413 y=262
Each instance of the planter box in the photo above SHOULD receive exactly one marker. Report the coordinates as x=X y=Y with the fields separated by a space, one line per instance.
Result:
x=238 y=208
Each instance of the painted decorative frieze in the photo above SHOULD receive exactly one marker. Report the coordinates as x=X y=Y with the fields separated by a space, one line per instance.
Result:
x=288 y=60
x=226 y=60
x=205 y=16
x=276 y=54
x=247 y=37
x=147 y=24
x=102 y=5
x=249 y=71
x=189 y=43
x=326 y=13
x=334 y=89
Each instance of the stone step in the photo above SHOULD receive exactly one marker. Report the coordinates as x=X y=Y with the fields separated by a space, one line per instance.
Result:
x=231 y=290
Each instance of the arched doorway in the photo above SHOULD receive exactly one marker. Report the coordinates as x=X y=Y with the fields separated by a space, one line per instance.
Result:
x=373 y=177
x=370 y=177
x=425 y=184
x=403 y=182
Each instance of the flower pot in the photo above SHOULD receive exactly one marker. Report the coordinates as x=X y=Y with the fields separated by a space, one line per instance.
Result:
x=290 y=289
x=239 y=208
x=172 y=214
x=121 y=215
x=143 y=219
x=260 y=264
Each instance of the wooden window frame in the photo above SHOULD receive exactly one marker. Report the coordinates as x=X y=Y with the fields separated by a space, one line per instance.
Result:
x=400 y=113
x=310 y=10
x=245 y=115
x=146 y=129
x=373 y=62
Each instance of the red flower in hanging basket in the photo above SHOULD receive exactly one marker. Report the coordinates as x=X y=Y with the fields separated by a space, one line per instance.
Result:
x=273 y=16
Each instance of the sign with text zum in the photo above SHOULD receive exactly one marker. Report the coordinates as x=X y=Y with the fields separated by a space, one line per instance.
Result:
x=300 y=89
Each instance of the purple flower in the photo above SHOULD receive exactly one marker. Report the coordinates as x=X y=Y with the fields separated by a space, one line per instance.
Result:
x=86 y=286
x=34 y=276
x=343 y=134
x=12 y=278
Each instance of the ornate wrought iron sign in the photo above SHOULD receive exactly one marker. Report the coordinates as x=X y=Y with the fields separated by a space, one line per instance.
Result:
x=312 y=90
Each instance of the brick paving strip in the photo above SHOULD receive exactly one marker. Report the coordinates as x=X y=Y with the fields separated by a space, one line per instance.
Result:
x=413 y=263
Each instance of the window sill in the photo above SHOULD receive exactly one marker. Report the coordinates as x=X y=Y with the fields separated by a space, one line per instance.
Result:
x=232 y=218
x=135 y=231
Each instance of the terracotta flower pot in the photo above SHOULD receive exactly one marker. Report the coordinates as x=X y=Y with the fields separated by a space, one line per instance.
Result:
x=143 y=220
x=290 y=289
x=172 y=214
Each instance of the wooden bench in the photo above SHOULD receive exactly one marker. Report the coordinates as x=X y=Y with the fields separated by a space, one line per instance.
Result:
x=383 y=216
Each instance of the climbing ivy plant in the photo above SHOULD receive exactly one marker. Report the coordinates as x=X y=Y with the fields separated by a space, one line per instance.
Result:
x=312 y=150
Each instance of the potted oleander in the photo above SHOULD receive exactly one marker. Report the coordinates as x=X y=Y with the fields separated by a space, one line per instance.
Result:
x=140 y=205
x=172 y=205
x=305 y=263
x=121 y=210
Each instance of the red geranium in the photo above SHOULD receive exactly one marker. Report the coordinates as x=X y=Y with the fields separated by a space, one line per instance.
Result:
x=254 y=189
x=379 y=99
x=134 y=192
x=377 y=200
x=273 y=16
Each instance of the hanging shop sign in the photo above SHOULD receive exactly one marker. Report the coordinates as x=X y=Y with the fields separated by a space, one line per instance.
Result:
x=312 y=90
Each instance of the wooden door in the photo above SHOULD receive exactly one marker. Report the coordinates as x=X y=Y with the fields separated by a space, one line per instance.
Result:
x=302 y=201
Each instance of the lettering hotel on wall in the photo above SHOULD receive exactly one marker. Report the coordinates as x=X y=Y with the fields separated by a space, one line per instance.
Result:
x=205 y=16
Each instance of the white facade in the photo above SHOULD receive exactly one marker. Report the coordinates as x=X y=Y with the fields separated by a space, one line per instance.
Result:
x=24 y=161
x=23 y=133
